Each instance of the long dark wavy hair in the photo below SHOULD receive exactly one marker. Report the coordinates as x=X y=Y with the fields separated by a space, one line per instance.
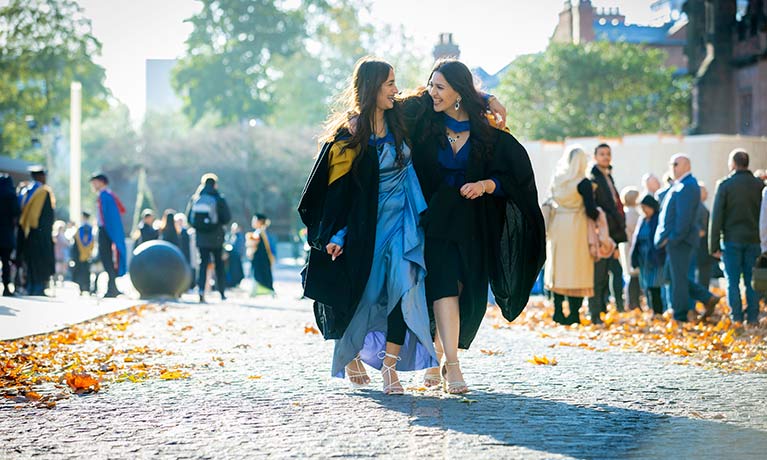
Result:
x=357 y=104
x=460 y=78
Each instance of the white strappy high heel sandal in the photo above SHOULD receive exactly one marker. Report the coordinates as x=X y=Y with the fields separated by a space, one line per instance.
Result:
x=355 y=373
x=394 y=387
x=454 y=388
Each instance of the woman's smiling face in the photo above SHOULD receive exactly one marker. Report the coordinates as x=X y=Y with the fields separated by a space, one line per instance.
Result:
x=443 y=95
x=387 y=92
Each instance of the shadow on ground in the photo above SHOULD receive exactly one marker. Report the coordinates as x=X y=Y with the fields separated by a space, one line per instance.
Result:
x=7 y=311
x=601 y=431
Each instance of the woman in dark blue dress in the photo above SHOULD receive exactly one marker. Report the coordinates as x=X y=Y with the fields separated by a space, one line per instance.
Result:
x=483 y=222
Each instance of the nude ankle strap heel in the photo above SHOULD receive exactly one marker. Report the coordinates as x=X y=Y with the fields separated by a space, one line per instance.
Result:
x=453 y=388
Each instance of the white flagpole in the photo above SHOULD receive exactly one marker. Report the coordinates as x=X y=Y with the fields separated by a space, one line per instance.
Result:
x=75 y=153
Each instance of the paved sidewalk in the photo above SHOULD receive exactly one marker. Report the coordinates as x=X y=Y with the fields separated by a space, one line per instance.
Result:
x=23 y=315
x=259 y=388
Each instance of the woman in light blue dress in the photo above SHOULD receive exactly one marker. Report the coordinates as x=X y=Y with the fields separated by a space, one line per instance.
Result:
x=366 y=270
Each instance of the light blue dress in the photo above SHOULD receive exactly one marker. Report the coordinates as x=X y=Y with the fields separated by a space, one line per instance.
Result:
x=398 y=272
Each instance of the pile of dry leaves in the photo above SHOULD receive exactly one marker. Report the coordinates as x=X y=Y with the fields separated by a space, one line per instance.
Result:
x=718 y=343
x=45 y=368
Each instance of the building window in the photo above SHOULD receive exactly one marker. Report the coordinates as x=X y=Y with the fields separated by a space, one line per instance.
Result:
x=746 y=112
x=710 y=12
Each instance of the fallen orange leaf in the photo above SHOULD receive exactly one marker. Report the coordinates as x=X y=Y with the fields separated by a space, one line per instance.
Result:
x=490 y=352
x=542 y=360
x=81 y=383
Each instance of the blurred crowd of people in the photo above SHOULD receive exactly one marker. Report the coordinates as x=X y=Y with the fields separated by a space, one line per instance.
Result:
x=38 y=252
x=658 y=242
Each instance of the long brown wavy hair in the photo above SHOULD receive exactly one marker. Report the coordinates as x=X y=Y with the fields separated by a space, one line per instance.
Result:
x=460 y=78
x=357 y=104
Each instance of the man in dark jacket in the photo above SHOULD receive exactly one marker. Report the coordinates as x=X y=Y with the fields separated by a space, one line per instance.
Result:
x=607 y=198
x=209 y=214
x=734 y=232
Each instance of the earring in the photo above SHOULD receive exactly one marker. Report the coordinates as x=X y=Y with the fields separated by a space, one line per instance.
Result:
x=458 y=103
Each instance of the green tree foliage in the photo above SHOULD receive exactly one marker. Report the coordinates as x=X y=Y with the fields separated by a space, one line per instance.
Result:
x=600 y=88
x=230 y=55
x=263 y=61
x=44 y=46
x=411 y=64
x=109 y=145
x=259 y=169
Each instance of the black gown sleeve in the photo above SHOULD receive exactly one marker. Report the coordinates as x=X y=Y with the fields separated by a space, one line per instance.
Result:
x=335 y=211
x=587 y=192
x=518 y=239
x=324 y=208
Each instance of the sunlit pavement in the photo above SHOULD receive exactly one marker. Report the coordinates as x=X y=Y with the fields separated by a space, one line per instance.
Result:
x=260 y=387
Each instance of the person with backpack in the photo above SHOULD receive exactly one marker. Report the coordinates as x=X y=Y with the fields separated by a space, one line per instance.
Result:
x=209 y=214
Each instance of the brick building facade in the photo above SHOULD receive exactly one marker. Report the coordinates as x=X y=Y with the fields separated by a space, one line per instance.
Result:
x=580 y=22
x=727 y=51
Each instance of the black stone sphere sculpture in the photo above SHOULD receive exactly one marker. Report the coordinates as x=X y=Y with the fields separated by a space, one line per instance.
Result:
x=159 y=269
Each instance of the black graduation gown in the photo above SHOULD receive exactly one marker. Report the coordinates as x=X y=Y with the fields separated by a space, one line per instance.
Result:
x=81 y=270
x=262 y=265
x=184 y=245
x=500 y=239
x=352 y=201
x=9 y=217
x=38 y=247
x=186 y=249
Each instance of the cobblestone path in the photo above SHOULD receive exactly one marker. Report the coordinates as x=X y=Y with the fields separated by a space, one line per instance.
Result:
x=260 y=387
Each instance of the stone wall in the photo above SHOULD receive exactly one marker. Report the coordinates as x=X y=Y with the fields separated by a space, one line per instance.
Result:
x=636 y=155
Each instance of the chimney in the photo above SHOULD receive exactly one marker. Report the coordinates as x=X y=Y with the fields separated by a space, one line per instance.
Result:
x=583 y=26
x=445 y=48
